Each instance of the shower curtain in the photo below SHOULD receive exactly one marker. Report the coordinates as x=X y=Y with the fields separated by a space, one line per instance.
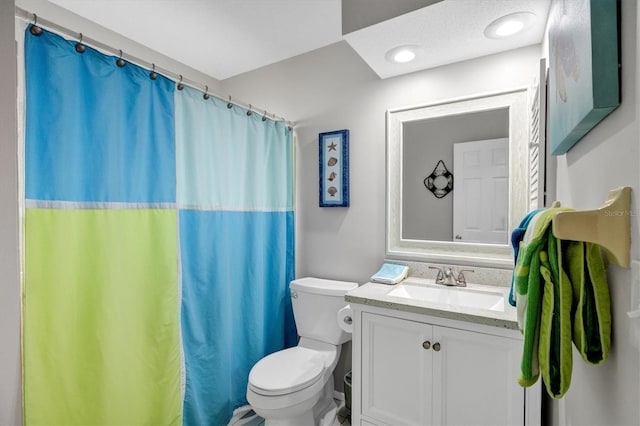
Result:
x=158 y=244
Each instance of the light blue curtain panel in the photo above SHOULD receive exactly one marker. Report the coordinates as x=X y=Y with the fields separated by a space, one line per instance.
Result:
x=230 y=161
x=235 y=189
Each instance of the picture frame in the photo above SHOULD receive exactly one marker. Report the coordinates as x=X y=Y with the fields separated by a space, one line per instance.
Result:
x=333 y=165
x=584 y=70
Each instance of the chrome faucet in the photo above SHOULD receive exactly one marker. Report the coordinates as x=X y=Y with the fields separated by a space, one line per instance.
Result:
x=444 y=276
x=448 y=277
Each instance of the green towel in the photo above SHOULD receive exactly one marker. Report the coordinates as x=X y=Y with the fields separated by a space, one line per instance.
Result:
x=592 y=307
x=561 y=296
x=529 y=290
x=554 y=351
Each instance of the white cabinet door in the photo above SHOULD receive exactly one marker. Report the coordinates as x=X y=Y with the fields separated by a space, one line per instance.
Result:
x=396 y=370
x=415 y=373
x=475 y=379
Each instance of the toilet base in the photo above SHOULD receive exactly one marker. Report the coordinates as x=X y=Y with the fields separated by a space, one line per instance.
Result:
x=321 y=413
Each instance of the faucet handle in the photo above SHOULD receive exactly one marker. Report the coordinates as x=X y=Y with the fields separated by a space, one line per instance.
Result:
x=461 y=280
x=440 y=276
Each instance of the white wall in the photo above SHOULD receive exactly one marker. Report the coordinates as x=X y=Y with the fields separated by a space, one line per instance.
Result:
x=332 y=88
x=606 y=158
x=10 y=370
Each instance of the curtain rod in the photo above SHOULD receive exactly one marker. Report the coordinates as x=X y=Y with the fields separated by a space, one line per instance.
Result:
x=178 y=78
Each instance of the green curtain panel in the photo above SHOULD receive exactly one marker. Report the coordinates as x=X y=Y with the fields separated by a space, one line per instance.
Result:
x=101 y=341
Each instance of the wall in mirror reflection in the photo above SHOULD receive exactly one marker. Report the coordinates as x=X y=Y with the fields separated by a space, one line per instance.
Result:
x=425 y=143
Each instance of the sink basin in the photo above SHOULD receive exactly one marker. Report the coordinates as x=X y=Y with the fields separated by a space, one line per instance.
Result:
x=461 y=296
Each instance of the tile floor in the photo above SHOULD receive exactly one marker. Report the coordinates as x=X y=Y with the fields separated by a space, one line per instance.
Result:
x=343 y=417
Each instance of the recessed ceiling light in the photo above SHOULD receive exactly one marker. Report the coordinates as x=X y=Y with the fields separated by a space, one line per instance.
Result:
x=402 y=54
x=509 y=25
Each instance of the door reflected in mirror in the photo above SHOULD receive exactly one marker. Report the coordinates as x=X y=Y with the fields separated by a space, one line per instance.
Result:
x=481 y=203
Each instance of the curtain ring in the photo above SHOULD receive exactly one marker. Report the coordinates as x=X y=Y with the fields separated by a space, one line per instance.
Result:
x=264 y=117
x=229 y=104
x=35 y=29
x=153 y=74
x=180 y=85
x=120 y=62
x=206 y=95
x=80 y=48
x=249 y=111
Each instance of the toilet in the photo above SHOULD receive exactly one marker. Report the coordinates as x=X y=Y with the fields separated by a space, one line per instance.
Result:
x=295 y=386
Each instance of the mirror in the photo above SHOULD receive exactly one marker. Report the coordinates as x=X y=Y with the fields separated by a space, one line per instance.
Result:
x=439 y=207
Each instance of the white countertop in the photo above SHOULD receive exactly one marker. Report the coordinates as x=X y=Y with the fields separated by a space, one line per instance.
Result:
x=374 y=294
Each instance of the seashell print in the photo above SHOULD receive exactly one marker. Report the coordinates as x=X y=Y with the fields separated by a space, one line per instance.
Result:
x=332 y=176
x=332 y=161
x=332 y=190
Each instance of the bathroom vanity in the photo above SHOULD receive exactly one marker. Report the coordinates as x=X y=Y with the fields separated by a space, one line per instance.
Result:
x=427 y=354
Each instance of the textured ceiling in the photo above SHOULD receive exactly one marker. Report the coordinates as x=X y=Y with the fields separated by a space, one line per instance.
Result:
x=446 y=32
x=223 y=38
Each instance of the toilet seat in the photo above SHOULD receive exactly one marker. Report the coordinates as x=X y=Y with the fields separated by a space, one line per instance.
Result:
x=287 y=371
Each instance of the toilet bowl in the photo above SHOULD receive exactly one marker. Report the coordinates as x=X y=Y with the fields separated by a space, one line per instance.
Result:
x=295 y=386
x=288 y=387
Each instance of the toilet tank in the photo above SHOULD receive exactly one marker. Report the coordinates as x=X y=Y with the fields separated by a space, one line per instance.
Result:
x=316 y=303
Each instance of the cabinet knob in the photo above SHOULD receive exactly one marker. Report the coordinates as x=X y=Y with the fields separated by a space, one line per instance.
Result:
x=436 y=346
x=426 y=344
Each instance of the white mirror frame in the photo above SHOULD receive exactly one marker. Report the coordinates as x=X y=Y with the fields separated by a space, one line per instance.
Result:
x=459 y=253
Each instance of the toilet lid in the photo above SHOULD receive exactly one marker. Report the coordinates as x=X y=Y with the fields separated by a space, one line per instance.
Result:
x=286 y=371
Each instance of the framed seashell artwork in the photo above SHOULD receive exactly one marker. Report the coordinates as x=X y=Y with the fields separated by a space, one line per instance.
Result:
x=333 y=167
